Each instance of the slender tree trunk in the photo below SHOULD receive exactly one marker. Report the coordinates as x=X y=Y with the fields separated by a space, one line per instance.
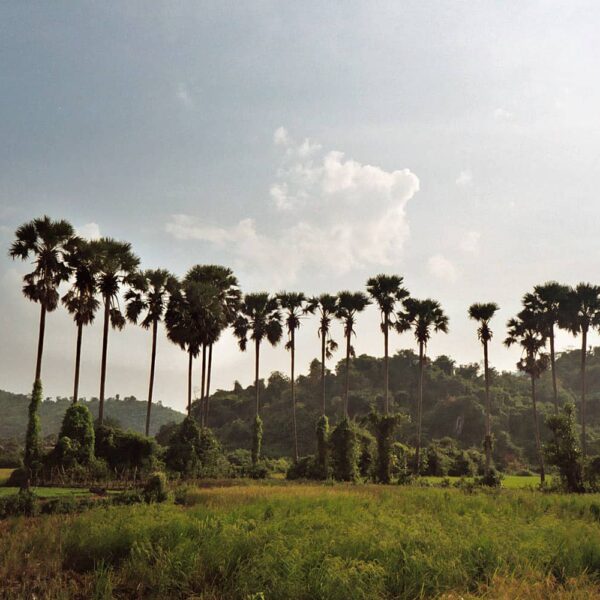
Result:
x=256 y=371
x=151 y=384
x=553 y=369
x=538 y=441
x=77 y=363
x=208 y=373
x=419 y=408
x=103 y=364
x=583 y=390
x=40 y=350
x=203 y=384
x=292 y=352
x=488 y=410
x=323 y=353
x=387 y=365
x=347 y=390
x=189 y=388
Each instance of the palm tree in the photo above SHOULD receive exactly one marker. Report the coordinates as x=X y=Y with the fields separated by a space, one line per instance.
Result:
x=526 y=330
x=81 y=299
x=483 y=313
x=423 y=317
x=582 y=313
x=116 y=266
x=228 y=297
x=150 y=292
x=325 y=305
x=46 y=241
x=190 y=307
x=293 y=305
x=258 y=319
x=349 y=304
x=387 y=291
x=548 y=302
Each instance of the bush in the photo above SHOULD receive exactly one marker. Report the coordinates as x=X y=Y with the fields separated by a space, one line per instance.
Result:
x=490 y=479
x=60 y=506
x=344 y=452
x=304 y=468
x=18 y=478
x=156 y=489
x=76 y=438
x=125 y=452
x=24 y=503
x=127 y=498
x=462 y=466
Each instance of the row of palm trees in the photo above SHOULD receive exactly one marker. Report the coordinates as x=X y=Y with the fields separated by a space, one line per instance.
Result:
x=207 y=300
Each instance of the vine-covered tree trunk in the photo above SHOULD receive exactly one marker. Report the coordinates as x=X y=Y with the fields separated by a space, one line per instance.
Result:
x=151 y=384
x=77 y=363
x=419 y=408
x=387 y=365
x=32 y=455
x=294 y=426
x=488 y=408
x=256 y=376
x=538 y=441
x=103 y=363
x=347 y=385
x=583 y=390
x=323 y=354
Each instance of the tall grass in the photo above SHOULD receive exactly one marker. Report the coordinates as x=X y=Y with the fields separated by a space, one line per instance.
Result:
x=319 y=542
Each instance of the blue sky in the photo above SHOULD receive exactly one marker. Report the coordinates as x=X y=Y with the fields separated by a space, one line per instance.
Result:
x=307 y=145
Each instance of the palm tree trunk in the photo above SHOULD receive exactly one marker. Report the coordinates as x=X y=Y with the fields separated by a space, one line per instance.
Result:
x=347 y=390
x=40 y=350
x=77 y=363
x=208 y=372
x=387 y=365
x=203 y=384
x=583 y=390
x=189 y=387
x=419 y=408
x=538 y=442
x=323 y=353
x=103 y=364
x=151 y=384
x=553 y=369
x=256 y=371
x=292 y=352
x=488 y=409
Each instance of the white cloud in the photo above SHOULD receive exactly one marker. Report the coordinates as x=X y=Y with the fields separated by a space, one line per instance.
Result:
x=184 y=96
x=470 y=243
x=464 y=179
x=439 y=266
x=501 y=114
x=89 y=231
x=338 y=214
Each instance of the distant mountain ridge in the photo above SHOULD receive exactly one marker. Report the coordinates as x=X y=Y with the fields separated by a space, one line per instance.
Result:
x=129 y=412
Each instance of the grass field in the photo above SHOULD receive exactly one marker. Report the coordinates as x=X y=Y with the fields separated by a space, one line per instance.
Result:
x=511 y=482
x=4 y=475
x=313 y=542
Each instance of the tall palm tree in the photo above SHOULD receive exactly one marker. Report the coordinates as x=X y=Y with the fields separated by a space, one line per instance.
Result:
x=349 y=304
x=46 y=242
x=81 y=299
x=228 y=297
x=191 y=306
x=150 y=292
x=293 y=304
x=387 y=291
x=526 y=331
x=325 y=305
x=116 y=266
x=582 y=313
x=423 y=317
x=548 y=302
x=483 y=313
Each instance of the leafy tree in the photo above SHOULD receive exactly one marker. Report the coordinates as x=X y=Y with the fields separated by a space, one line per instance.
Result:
x=293 y=306
x=325 y=305
x=483 y=313
x=349 y=304
x=80 y=300
x=563 y=450
x=387 y=291
x=78 y=428
x=344 y=451
x=149 y=292
x=549 y=302
x=46 y=241
x=526 y=331
x=423 y=317
x=582 y=313
x=116 y=266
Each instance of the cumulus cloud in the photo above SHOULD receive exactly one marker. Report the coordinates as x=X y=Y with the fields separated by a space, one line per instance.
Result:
x=335 y=214
x=464 y=179
x=470 y=243
x=441 y=268
x=89 y=231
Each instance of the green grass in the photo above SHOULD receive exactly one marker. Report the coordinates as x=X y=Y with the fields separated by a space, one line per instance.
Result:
x=4 y=475
x=47 y=492
x=301 y=542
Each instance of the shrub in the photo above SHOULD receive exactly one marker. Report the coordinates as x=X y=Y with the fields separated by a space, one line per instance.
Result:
x=125 y=451
x=60 y=506
x=490 y=479
x=304 y=468
x=23 y=503
x=128 y=497
x=18 y=478
x=76 y=438
x=462 y=466
x=344 y=452
x=156 y=489
x=182 y=453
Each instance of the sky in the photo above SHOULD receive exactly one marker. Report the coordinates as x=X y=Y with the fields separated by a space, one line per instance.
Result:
x=307 y=146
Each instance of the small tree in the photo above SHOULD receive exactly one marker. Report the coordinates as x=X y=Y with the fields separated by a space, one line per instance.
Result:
x=344 y=452
x=78 y=427
x=563 y=450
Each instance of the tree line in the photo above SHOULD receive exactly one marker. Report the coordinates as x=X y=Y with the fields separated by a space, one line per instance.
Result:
x=198 y=307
